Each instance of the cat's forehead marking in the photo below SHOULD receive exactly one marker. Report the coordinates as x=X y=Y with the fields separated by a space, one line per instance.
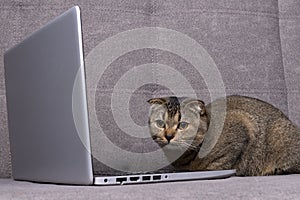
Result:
x=173 y=106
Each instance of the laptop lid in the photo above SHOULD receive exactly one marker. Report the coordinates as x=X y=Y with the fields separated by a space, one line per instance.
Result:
x=40 y=76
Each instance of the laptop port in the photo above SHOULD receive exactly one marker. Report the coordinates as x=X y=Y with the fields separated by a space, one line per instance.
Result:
x=134 y=178
x=157 y=177
x=146 y=178
x=121 y=179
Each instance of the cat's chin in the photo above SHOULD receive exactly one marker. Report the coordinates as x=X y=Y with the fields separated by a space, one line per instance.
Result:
x=175 y=147
x=178 y=154
x=172 y=146
x=173 y=151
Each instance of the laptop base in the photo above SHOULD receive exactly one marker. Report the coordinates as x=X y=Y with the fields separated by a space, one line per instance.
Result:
x=164 y=177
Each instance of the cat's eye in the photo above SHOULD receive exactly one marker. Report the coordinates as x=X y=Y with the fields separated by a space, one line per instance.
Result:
x=183 y=125
x=160 y=123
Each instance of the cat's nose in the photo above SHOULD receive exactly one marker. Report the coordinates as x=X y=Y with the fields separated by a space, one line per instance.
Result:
x=169 y=137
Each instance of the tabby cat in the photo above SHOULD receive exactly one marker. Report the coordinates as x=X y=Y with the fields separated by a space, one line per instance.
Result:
x=255 y=137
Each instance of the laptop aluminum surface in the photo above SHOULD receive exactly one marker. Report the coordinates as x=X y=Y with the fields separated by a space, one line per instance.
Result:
x=45 y=146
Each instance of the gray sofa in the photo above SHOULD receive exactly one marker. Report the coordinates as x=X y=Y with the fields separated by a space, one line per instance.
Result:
x=254 y=44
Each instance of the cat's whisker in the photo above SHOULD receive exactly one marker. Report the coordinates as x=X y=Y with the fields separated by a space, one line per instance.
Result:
x=187 y=144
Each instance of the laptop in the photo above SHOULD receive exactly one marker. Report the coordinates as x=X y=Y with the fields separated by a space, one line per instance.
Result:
x=45 y=146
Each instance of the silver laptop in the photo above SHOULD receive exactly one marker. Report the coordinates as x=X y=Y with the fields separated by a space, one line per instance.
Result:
x=45 y=146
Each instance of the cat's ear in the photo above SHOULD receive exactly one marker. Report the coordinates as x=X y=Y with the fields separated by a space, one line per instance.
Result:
x=198 y=105
x=157 y=101
x=201 y=106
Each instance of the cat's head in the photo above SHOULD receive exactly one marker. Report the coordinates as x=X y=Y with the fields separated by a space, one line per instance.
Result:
x=178 y=123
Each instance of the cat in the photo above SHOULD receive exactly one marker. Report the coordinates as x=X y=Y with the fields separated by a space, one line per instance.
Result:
x=255 y=138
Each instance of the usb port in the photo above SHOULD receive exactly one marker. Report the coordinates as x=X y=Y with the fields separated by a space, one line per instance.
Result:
x=121 y=179
x=146 y=178
x=156 y=177
x=134 y=178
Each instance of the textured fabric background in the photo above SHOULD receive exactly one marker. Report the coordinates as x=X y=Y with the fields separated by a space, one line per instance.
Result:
x=290 y=42
x=255 y=45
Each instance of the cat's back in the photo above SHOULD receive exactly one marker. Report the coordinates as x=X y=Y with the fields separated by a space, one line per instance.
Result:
x=252 y=106
x=256 y=138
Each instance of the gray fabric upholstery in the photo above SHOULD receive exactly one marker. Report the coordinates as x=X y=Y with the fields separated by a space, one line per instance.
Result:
x=273 y=188
x=290 y=44
x=255 y=45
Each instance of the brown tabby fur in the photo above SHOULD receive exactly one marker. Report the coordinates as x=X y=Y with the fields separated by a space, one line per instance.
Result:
x=257 y=139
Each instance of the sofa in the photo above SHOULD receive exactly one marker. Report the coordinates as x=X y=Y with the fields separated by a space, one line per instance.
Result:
x=255 y=46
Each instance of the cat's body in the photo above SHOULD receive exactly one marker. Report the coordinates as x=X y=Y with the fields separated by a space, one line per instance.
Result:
x=256 y=139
